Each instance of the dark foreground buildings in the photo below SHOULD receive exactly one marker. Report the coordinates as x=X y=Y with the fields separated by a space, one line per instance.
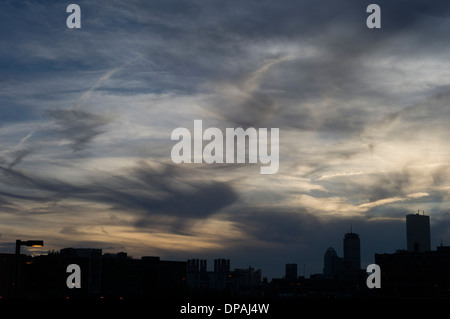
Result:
x=348 y=266
x=222 y=281
x=117 y=276
x=415 y=272
x=102 y=276
x=342 y=277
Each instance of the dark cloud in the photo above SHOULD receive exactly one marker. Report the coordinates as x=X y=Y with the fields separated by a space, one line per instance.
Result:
x=277 y=226
x=389 y=185
x=152 y=197
x=18 y=157
x=155 y=198
x=145 y=192
x=12 y=177
x=80 y=127
x=440 y=175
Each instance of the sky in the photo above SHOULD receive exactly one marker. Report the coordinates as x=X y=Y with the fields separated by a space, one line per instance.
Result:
x=86 y=117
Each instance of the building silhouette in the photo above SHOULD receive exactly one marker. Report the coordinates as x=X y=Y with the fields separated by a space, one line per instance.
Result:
x=348 y=266
x=94 y=264
x=102 y=276
x=8 y=271
x=418 y=232
x=291 y=271
x=352 y=251
x=417 y=271
x=222 y=281
x=221 y=265
x=332 y=264
x=248 y=280
x=196 y=265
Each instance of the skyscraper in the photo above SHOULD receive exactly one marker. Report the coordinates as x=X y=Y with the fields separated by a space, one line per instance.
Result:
x=221 y=265
x=332 y=264
x=291 y=271
x=418 y=232
x=352 y=252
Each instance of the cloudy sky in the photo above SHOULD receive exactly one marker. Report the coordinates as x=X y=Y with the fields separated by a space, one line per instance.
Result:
x=86 y=117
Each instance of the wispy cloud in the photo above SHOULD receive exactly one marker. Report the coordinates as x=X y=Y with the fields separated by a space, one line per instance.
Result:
x=79 y=127
x=386 y=201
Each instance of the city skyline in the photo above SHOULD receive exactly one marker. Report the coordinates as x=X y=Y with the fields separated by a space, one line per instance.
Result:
x=86 y=117
x=418 y=271
x=332 y=265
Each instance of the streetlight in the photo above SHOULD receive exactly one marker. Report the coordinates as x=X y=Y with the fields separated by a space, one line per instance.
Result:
x=30 y=243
